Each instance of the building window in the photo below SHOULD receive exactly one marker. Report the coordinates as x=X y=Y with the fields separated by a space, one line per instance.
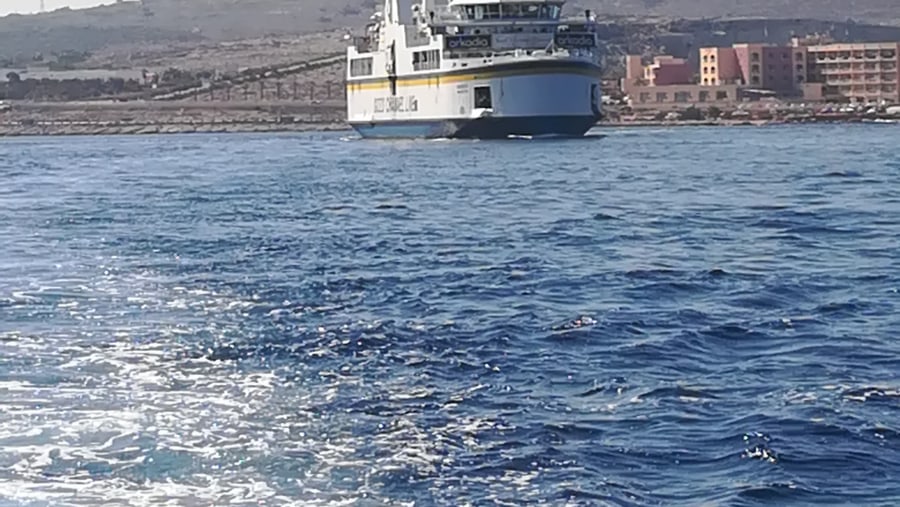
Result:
x=799 y=67
x=722 y=95
x=799 y=56
x=754 y=80
x=662 y=97
x=682 y=97
x=706 y=81
x=800 y=79
x=361 y=67
x=645 y=97
x=754 y=57
x=706 y=70
x=704 y=96
x=712 y=70
x=712 y=58
x=754 y=68
x=705 y=58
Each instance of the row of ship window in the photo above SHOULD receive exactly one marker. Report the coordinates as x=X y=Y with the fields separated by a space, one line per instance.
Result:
x=508 y=11
x=421 y=60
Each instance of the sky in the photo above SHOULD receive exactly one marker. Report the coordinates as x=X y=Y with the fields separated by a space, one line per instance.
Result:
x=31 y=6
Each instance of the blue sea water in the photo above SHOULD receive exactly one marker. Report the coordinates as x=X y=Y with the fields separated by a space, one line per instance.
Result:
x=664 y=317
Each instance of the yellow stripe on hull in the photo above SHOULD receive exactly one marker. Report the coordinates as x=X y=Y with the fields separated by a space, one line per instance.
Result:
x=437 y=80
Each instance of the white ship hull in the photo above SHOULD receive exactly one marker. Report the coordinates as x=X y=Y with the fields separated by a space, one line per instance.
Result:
x=475 y=69
x=541 y=97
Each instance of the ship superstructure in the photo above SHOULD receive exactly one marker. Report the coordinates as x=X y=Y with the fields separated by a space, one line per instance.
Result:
x=474 y=69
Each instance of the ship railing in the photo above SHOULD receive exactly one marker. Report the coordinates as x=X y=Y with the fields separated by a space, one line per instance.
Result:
x=577 y=25
x=586 y=55
x=521 y=41
x=495 y=22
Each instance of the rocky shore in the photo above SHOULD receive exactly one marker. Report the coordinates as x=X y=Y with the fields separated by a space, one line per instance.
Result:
x=136 y=118
x=93 y=118
x=61 y=129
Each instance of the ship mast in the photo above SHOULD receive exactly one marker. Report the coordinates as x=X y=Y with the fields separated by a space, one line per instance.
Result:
x=391 y=12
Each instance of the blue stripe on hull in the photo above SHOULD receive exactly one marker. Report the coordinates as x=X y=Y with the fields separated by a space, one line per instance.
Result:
x=482 y=128
x=405 y=129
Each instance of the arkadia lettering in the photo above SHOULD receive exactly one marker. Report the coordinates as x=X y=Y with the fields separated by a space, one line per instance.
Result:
x=468 y=42
x=578 y=41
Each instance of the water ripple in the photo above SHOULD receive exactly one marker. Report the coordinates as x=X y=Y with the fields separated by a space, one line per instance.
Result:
x=316 y=320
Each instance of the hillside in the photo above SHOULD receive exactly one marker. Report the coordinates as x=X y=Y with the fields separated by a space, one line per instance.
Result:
x=193 y=22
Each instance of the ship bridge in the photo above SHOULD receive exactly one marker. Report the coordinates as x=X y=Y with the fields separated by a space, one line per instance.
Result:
x=486 y=26
x=505 y=10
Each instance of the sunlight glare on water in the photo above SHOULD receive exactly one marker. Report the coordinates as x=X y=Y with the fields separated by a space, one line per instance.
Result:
x=648 y=317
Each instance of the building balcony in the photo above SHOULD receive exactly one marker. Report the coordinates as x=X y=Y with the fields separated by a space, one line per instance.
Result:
x=836 y=69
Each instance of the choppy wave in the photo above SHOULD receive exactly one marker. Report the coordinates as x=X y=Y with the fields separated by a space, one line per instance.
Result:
x=309 y=320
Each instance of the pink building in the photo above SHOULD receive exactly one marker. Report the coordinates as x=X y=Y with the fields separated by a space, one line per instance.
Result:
x=762 y=66
x=769 y=67
x=859 y=72
x=719 y=66
x=664 y=71
x=634 y=73
x=667 y=70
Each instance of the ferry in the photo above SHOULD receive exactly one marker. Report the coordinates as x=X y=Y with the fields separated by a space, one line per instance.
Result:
x=482 y=69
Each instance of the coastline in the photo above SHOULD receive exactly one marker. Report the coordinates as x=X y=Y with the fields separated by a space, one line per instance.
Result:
x=142 y=118
x=146 y=118
x=164 y=128
x=7 y=131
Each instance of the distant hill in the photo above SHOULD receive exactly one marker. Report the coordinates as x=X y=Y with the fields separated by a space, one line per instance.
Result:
x=870 y=11
x=204 y=21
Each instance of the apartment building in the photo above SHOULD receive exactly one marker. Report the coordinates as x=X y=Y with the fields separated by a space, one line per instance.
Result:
x=809 y=69
x=861 y=72
x=664 y=70
x=763 y=66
